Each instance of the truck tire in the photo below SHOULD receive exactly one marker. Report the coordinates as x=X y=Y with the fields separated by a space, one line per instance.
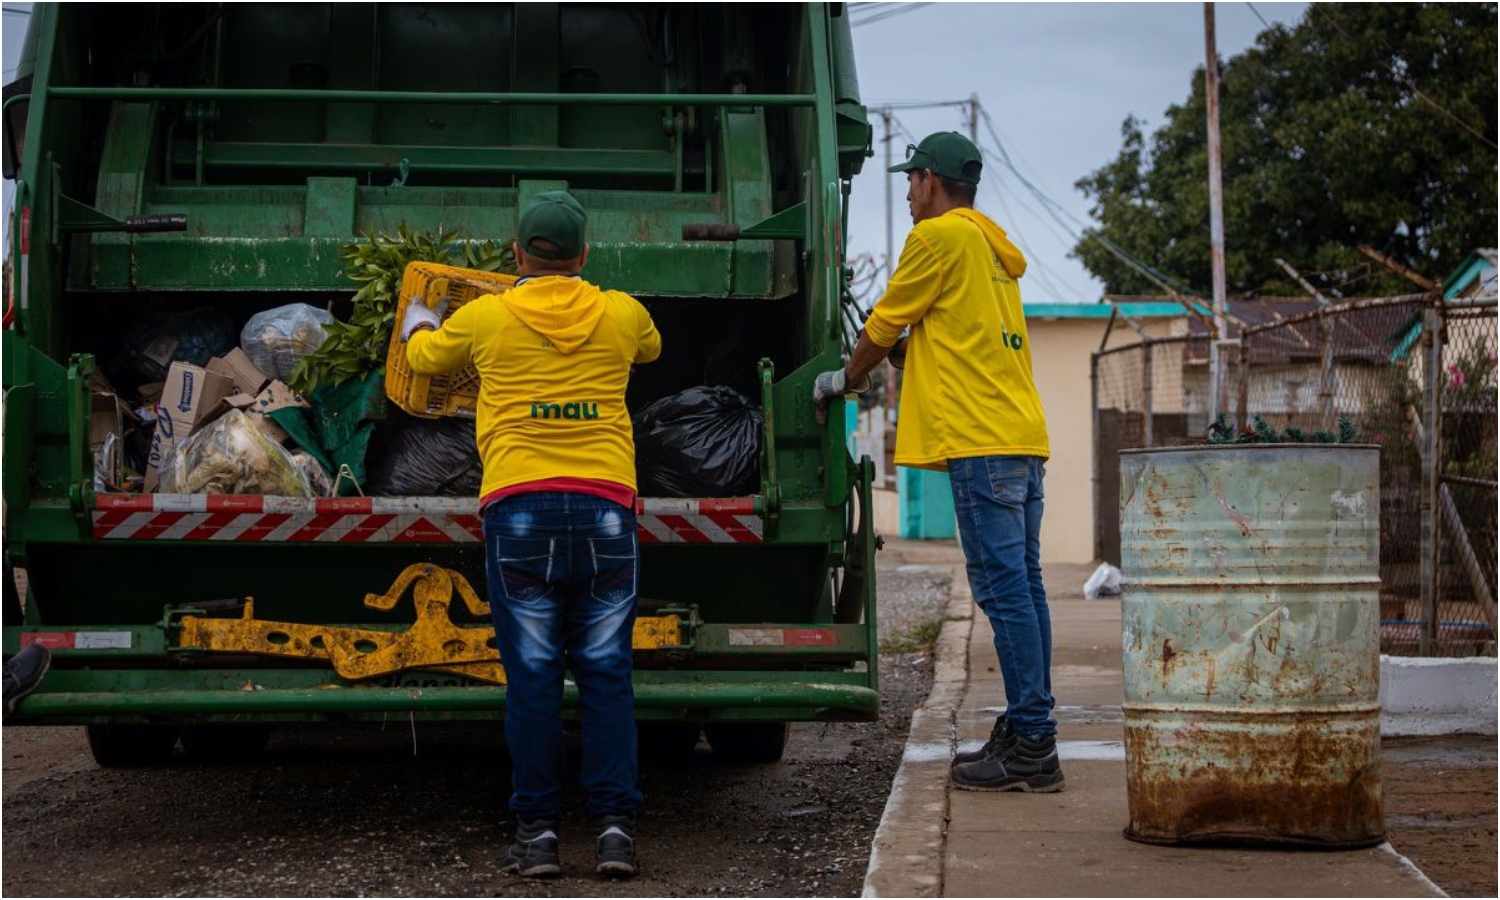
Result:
x=224 y=742
x=666 y=741
x=131 y=745
x=748 y=742
x=13 y=614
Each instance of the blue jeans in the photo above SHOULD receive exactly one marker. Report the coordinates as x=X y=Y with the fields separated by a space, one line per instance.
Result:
x=998 y=501
x=562 y=573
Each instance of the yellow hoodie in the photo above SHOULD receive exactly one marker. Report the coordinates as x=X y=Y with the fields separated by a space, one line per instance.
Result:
x=554 y=356
x=968 y=389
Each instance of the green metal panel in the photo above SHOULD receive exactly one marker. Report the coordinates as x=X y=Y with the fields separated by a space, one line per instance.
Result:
x=534 y=67
x=290 y=151
x=781 y=693
x=331 y=207
x=526 y=98
x=121 y=184
x=387 y=159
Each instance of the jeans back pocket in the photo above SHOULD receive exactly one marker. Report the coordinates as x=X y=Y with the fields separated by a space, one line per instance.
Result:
x=614 y=563
x=525 y=567
x=1009 y=477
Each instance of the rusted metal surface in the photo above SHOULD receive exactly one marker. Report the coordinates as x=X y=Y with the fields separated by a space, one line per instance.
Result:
x=433 y=642
x=1251 y=651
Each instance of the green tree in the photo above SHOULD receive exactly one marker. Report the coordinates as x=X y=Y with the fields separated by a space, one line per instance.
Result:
x=1327 y=144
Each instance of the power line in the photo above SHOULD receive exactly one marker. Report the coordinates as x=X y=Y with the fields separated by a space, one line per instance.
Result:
x=15 y=12
x=1045 y=277
x=1053 y=208
x=883 y=14
x=1061 y=238
x=1049 y=280
x=1407 y=82
x=1258 y=15
x=915 y=104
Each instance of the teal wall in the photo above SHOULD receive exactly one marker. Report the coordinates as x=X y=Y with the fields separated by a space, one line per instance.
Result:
x=926 y=504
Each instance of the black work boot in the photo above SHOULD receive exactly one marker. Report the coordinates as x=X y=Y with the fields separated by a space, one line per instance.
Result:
x=1021 y=764
x=1000 y=735
x=614 y=855
x=23 y=672
x=533 y=851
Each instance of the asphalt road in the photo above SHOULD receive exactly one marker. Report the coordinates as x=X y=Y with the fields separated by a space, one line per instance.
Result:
x=378 y=810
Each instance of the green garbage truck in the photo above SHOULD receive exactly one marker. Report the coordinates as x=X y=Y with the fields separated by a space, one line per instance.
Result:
x=181 y=156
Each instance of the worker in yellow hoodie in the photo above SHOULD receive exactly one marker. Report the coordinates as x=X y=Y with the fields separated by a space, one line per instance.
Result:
x=969 y=406
x=558 y=500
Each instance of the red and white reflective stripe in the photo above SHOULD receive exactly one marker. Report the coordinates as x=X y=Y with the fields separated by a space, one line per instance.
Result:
x=23 y=267
x=227 y=517
x=79 y=640
x=730 y=520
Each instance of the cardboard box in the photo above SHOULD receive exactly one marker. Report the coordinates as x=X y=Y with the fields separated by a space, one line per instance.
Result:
x=108 y=414
x=275 y=396
x=191 y=394
x=243 y=374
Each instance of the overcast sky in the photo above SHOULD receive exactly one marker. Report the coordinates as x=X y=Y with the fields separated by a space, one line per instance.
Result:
x=1057 y=79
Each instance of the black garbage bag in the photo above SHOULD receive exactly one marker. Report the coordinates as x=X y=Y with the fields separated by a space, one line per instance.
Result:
x=702 y=442
x=159 y=338
x=411 y=457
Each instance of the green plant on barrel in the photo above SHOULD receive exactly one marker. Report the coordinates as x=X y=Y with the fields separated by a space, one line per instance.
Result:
x=358 y=346
x=1222 y=431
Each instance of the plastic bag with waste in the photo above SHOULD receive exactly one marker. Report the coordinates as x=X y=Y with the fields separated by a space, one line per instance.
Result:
x=411 y=457
x=232 y=455
x=1105 y=582
x=317 y=477
x=109 y=465
x=702 y=442
x=277 y=338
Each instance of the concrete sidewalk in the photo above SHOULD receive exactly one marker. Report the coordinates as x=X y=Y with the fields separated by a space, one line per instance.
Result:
x=934 y=841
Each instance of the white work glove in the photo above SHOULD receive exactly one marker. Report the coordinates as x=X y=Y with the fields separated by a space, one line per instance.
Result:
x=834 y=384
x=419 y=314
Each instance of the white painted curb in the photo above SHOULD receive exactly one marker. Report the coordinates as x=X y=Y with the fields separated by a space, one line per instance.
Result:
x=915 y=822
x=1437 y=696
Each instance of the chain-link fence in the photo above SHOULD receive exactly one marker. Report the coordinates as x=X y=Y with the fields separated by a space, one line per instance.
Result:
x=1415 y=374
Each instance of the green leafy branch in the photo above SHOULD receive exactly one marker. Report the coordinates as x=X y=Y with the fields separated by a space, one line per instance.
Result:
x=377 y=264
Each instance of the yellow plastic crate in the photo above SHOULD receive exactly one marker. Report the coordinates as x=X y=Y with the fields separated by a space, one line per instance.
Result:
x=455 y=394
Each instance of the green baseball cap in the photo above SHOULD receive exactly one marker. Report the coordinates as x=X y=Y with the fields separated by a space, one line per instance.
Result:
x=946 y=153
x=553 y=216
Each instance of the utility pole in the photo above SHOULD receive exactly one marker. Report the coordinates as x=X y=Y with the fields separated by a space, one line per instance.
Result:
x=888 y=415
x=1218 y=384
x=887 y=119
x=890 y=262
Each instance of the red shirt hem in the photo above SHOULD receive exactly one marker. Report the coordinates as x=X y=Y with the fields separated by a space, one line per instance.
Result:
x=594 y=487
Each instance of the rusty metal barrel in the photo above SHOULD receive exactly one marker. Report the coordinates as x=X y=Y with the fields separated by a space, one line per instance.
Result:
x=1250 y=617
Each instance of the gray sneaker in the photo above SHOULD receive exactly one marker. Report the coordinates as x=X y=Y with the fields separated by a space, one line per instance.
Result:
x=23 y=672
x=1000 y=735
x=1022 y=764
x=614 y=854
x=533 y=851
